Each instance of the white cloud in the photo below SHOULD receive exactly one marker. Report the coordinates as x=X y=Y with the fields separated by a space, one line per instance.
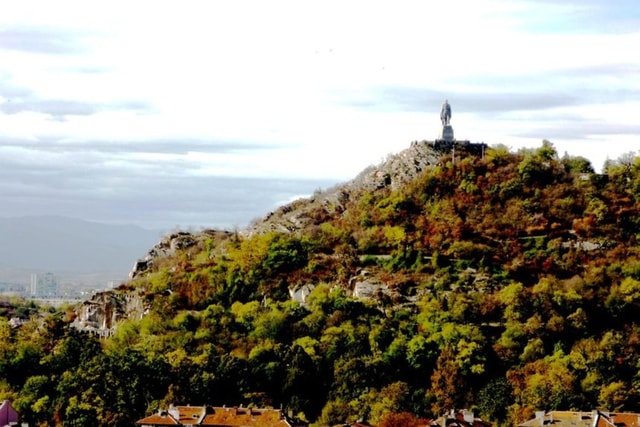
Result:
x=199 y=90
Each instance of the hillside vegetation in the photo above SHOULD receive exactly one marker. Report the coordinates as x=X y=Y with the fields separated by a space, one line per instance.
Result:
x=505 y=283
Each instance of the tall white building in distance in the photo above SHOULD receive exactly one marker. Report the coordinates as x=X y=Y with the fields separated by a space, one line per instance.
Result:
x=44 y=286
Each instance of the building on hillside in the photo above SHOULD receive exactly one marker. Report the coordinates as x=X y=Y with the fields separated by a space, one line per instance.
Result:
x=219 y=417
x=462 y=418
x=8 y=415
x=44 y=286
x=593 y=418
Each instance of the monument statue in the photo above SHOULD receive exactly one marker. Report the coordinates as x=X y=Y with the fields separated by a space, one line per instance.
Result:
x=445 y=113
x=446 y=134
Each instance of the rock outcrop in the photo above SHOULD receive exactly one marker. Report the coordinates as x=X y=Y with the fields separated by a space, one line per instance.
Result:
x=398 y=169
x=167 y=246
x=171 y=243
x=104 y=310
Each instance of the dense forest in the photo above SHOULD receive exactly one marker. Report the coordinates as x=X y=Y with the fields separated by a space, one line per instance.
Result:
x=511 y=284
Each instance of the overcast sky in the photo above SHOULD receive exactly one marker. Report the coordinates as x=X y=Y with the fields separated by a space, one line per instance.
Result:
x=199 y=114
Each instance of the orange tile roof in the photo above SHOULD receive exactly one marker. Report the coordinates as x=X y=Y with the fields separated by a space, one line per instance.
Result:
x=176 y=415
x=218 y=416
x=190 y=414
x=583 y=419
x=221 y=416
x=160 y=419
x=623 y=419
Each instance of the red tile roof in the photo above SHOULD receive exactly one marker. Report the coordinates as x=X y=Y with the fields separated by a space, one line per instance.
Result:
x=219 y=417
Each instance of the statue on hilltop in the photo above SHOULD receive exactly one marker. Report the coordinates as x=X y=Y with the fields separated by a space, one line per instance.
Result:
x=446 y=134
x=445 y=113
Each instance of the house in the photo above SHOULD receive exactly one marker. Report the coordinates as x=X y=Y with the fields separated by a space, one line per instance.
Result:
x=175 y=416
x=462 y=418
x=593 y=418
x=8 y=415
x=219 y=417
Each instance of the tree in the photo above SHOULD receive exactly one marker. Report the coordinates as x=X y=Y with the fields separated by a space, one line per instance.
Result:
x=577 y=164
x=390 y=399
x=494 y=399
x=303 y=386
x=616 y=395
x=448 y=386
x=402 y=419
x=335 y=412
x=267 y=361
x=421 y=354
x=545 y=383
x=35 y=401
x=536 y=167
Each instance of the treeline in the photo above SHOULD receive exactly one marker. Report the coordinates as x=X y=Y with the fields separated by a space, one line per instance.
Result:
x=511 y=284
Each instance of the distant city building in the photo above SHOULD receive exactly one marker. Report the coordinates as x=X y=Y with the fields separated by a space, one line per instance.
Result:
x=44 y=286
x=12 y=288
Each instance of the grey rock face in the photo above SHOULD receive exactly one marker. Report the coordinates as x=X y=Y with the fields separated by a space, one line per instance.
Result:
x=394 y=172
x=104 y=310
x=167 y=246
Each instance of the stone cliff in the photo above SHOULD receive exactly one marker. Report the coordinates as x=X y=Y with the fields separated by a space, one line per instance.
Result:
x=104 y=310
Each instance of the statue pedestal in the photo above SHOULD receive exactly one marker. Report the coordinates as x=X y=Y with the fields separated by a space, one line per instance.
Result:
x=447 y=133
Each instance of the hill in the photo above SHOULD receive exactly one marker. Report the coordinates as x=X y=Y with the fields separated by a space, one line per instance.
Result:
x=498 y=281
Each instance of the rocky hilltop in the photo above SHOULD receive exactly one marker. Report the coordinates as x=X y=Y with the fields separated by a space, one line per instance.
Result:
x=101 y=314
x=397 y=170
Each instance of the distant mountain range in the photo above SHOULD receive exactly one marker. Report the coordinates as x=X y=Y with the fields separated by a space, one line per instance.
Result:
x=70 y=248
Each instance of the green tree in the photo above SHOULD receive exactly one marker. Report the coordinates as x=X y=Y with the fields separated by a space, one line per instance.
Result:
x=494 y=399
x=546 y=383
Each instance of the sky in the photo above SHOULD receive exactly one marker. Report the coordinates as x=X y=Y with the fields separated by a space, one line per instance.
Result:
x=209 y=114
